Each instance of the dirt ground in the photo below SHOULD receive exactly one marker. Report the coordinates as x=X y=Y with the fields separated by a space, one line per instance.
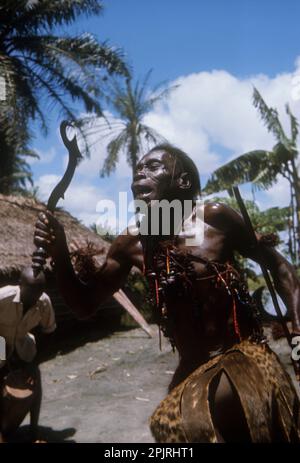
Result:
x=105 y=391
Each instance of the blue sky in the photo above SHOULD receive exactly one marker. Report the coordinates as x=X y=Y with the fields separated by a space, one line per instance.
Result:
x=216 y=50
x=177 y=38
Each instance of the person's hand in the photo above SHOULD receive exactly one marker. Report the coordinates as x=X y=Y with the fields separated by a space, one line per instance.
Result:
x=50 y=235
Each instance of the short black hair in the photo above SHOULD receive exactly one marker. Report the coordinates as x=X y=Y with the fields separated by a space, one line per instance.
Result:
x=187 y=164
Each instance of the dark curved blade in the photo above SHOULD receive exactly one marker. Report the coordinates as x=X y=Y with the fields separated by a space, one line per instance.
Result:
x=74 y=157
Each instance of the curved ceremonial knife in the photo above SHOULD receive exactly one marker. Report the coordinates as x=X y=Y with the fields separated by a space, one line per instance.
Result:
x=39 y=255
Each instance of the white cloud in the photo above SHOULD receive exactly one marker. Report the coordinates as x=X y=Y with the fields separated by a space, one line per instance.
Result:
x=278 y=194
x=81 y=200
x=45 y=185
x=212 y=112
x=45 y=157
x=210 y=116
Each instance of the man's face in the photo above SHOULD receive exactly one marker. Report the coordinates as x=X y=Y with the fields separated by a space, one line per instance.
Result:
x=154 y=177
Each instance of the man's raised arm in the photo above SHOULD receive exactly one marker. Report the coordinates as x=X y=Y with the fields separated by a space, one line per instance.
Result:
x=285 y=279
x=83 y=298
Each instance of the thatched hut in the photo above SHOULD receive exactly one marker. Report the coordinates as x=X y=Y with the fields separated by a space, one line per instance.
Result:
x=18 y=215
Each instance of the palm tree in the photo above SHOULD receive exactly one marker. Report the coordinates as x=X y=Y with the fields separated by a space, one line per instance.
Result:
x=42 y=69
x=131 y=102
x=264 y=168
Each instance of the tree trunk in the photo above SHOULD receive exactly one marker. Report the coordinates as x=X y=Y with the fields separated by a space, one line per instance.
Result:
x=133 y=151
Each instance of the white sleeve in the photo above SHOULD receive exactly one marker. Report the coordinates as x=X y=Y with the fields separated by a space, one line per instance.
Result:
x=47 y=323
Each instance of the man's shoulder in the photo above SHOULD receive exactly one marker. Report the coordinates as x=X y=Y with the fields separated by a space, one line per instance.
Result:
x=216 y=208
x=8 y=291
x=45 y=301
x=221 y=216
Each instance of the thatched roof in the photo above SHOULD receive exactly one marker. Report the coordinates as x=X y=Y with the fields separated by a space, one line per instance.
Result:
x=18 y=215
x=17 y=218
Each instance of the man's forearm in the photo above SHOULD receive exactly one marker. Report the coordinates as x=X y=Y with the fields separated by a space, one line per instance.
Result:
x=75 y=292
x=83 y=299
x=287 y=286
x=285 y=280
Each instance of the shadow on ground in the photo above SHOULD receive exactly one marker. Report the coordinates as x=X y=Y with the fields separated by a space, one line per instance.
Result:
x=45 y=434
x=73 y=333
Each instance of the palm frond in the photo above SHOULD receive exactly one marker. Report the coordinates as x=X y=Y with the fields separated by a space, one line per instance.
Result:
x=43 y=70
x=294 y=125
x=113 y=149
x=130 y=102
x=27 y=17
x=256 y=166
x=270 y=117
x=152 y=136
x=26 y=93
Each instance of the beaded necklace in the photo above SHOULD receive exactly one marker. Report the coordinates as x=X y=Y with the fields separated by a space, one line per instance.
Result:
x=171 y=271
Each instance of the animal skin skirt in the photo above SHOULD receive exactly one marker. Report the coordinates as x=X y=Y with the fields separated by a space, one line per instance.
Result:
x=267 y=396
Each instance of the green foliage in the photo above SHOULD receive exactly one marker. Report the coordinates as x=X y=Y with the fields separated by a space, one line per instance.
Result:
x=259 y=167
x=272 y=220
x=267 y=222
x=294 y=125
x=43 y=70
x=249 y=167
x=270 y=118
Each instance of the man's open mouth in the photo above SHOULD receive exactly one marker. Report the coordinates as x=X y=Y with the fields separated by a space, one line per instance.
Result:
x=142 y=191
